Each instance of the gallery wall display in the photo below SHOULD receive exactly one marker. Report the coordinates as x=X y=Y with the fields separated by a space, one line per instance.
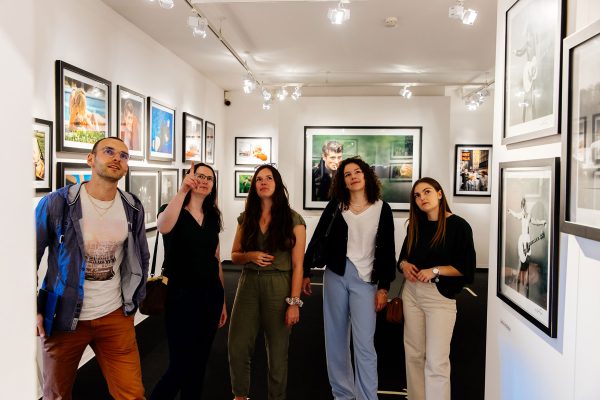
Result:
x=471 y=170
x=242 y=182
x=534 y=31
x=580 y=214
x=68 y=173
x=83 y=104
x=528 y=240
x=394 y=153
x=42 y=155
x=192 y=137
x=144 y=183
x=131 y=121
x=161 y=131
x=252 y=150
x=209 y=143
x=169 y=185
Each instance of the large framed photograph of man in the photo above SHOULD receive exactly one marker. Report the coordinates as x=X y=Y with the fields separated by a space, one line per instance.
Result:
x=534 y=31
x=394 y=153
x=192 y=137
x=131 y=121
x=161 y=131
x=144 y=183
x=580 y=214
x=471 y=170
x=42 y=155
x=169 y=185
x=528 y=240
x=82 y=108
x=209 y=142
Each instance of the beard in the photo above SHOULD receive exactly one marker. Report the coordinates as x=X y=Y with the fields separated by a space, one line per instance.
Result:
x=111 y=175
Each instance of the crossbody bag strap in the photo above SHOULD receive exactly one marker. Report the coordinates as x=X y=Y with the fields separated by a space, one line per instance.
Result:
x=153 y=269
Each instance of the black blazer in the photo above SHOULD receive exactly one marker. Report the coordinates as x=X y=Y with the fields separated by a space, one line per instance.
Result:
x=384 y=270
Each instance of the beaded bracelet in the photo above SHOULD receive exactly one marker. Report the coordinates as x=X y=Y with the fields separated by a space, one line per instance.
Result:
x=294 y=301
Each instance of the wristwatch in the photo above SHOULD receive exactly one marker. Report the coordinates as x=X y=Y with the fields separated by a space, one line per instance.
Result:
x=436 y=272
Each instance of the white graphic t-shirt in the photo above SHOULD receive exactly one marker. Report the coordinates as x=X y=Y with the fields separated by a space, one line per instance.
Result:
x=104 y=228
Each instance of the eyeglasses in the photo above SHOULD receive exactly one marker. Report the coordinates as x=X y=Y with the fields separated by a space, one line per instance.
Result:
x=110 y=152
x=203 y=177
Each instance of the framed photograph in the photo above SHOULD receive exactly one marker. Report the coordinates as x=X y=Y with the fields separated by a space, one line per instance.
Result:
x=580 y=213
x=42 y=155
x=82 y=108
x=68 y=173
x=252 y=150
x=528 y=240
x=471 y=173
x=534 y=32
x=169 y=185
x=131 y=121
x=242 y=181
x=209 y=142
x=144 y=183
x=393 y=152
x=192 y=137
x=161 y=131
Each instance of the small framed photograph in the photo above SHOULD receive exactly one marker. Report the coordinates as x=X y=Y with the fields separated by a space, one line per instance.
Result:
x=192 y=137
x=144 y=183
x=471 y=170
x=42 y=155
x=528 y=240
x=534 y=32
x=243 y=179
x=161 y=131
x=68 y=173
x=169 y=185
x=82 y=108
x=401 y=172
x=131 y=121
x=402 y=148
x=580 y=211
x=252 y=150
x=209 y=143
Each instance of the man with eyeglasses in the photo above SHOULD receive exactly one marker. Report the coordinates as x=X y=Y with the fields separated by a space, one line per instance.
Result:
x=97 y=267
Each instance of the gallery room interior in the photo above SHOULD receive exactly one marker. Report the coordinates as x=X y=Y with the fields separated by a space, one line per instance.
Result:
x=497 y=100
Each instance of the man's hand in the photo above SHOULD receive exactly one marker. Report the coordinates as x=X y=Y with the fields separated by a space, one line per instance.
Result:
x=306 y=288
x=40 y=326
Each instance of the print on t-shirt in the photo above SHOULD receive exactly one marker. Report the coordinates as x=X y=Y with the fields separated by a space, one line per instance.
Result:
x=100 y=259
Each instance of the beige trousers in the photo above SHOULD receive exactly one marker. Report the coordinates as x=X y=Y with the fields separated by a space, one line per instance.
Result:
x=429 y=321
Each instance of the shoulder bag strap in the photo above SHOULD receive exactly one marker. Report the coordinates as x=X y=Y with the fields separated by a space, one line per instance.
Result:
x=154 y=255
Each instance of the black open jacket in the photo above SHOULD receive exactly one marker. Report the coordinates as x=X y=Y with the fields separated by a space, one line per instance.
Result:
x=384 y=270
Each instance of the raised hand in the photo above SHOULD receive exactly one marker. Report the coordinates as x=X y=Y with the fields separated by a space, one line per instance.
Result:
x=190 y=181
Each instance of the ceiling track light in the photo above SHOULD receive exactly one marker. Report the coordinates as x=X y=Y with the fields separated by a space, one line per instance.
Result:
x=474 y=99
x=406 y=92
x=166 y=4
x=339 y=14
x=458 y=11
x=282 y=94
x=199 y=26
x=249 y=84
x=296 y=93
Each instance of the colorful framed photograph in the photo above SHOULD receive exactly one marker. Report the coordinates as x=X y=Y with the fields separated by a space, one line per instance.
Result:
x=131 y=121
x=169 y=185
x=192 y=137
x=42 y=155
x=144 y=183
x=393 y=152
x=209 y=142
x=242 y=180
x=534 y=32
x=471 y=170
x=528 y=240
x=252 y=150
x=161 y=131
x=68 y=173
x=82 y=108
x=580 y=214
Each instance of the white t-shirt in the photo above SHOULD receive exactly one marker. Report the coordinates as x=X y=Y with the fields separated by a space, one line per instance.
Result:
x=104 y=228
x=362 y=231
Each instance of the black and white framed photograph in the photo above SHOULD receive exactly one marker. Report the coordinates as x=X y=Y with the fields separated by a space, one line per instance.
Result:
x=192 y=137
x=209 y=142
x=242 y=181
x=161 y=131
x=145 y=184
x=580 y=214
x=131 y=121
x=528 y=240
x=393 y=152
x=252 y=150
x=169 y=185
x=42 y=155
x=83 y=104
x=534 y=32
x=471 y=170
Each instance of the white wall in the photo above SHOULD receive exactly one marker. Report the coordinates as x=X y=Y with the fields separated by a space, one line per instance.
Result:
x=521 y=361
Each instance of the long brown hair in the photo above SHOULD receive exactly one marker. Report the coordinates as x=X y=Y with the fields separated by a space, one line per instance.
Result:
x=281 y=230
x=415 y=215
x=339 y=190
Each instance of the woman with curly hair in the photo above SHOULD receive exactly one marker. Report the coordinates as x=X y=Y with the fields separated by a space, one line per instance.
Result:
x=269 y=243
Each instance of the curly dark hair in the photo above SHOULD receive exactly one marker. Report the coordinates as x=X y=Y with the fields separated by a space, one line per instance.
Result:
x=339 y=190
x=281 y=229
x=209 y=205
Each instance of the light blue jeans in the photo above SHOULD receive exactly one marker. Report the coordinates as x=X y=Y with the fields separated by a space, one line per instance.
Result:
x=349 y=307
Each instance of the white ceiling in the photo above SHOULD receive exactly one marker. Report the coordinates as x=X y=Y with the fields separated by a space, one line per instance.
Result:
x=286 y=42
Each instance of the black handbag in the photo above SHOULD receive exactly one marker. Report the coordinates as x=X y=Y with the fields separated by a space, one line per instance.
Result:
x=319 y=258
x=156 y=289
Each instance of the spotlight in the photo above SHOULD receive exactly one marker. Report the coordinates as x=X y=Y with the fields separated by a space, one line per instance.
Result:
x=267 y=104
x=406 y=93
x=249 y=84
x=166 y=4
x=199 y=26
x=339 y=14
x=296 y=93
x=458 y=11
x=469 y=17
x=266 y=95
x=282 y=94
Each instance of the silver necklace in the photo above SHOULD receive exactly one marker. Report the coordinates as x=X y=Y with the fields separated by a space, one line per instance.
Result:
x=99 y=209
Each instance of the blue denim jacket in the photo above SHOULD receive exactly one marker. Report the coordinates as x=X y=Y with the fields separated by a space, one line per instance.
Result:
x=58 y=216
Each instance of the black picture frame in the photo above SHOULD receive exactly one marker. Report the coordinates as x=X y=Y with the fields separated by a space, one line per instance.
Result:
x=85 y=125
x=161 y=131
x=42 y=155
x=241 y=188
x=192 y=138
x=71 y=173
x=527 y=273
x=533 y=39
x=209 y=142
x=471 y=170
x=169 y=185
x=251 y=151
x=145 y=184
x=580 y=194
x=131 y=121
